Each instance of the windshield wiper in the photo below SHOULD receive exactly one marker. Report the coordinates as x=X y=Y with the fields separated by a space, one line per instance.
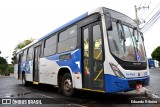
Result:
x=136 y=35
x=121 y=34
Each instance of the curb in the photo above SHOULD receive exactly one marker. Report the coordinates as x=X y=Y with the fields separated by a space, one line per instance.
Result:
x=151 y=96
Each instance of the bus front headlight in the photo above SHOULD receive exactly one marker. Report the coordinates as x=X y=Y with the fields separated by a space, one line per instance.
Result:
x=116 y=71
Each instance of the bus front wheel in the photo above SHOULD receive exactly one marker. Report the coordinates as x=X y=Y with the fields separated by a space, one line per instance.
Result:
x=67 y=85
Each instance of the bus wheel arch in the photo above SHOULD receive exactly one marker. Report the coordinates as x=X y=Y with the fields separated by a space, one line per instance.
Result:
x=65 y=80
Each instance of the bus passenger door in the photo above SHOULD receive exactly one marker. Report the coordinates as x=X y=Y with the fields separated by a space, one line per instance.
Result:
x=19 y=65
x=92 y=57
x=37 y=51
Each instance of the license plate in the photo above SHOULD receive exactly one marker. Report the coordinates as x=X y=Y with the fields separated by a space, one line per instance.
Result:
x=138 y=86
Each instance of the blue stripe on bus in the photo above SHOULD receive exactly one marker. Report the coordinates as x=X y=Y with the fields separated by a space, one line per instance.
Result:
x=65 y=25
x=116 y=84
x=75 y=56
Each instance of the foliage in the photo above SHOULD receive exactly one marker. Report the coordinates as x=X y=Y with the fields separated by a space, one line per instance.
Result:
x=10 y=69
x=20 y=46
x=3 y=65
x=156 y=54
x=24 y=43
x=5 y=68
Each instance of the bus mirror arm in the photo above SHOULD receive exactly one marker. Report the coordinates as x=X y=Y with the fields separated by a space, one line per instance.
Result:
x=108 y=21
x=142 y=36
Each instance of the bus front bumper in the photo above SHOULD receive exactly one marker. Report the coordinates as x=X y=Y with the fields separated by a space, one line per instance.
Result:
x=116 y=84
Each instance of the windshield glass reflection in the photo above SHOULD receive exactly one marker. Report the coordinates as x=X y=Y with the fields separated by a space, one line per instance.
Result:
x=126 y=43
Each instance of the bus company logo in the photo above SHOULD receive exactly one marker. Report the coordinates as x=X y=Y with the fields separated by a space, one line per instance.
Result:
x=6 y=101
x=130 y=74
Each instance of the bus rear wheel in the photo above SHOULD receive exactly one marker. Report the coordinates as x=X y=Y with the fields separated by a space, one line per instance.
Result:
x=67 y=85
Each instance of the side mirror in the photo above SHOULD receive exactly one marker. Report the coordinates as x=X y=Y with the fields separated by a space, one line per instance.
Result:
x=108 y=21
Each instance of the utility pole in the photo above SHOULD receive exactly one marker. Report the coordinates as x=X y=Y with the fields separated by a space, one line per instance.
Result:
x=137 y=21
x=136 y=13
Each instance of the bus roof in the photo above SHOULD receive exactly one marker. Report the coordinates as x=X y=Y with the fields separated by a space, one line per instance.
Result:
x=99 y=9
x=54 y=31
x=65 y=25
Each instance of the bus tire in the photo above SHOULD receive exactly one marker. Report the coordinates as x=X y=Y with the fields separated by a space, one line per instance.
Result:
x=67 y=85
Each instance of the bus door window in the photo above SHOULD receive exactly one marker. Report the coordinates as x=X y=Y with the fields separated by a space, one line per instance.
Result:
x=97 y=56
x=86 y=43
x=86 y=50
x=86 y=73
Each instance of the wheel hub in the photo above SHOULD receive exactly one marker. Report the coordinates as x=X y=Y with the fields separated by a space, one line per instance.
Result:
x=67 y=84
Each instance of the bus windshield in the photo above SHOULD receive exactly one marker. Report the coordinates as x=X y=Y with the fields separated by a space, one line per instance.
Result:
x=126 y=43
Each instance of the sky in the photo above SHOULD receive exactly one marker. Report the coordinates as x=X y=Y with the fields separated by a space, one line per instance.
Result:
x=25 y=19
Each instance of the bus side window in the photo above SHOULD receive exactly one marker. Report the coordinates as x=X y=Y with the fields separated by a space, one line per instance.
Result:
x=30 y=54
x=50 y=45
x=24 y=55
x=68 y=39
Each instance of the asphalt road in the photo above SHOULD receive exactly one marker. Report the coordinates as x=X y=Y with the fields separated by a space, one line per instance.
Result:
x=12 y=88
x=154 y=86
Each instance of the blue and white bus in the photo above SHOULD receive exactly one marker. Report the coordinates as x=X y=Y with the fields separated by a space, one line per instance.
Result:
x=101 y=50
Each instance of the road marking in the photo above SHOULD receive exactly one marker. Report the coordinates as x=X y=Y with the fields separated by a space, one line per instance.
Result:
x=44 y=95
x=154 y=96
x=149 y=94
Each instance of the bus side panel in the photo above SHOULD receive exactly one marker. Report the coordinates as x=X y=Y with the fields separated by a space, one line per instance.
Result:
x=78 y=75
x=29 y=71
x=16 y=71
x=48 y=70
x=74 y=64
x=49 y=67
x=27 y=67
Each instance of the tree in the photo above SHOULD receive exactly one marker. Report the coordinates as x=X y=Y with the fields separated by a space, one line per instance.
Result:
x=20 y=46
x=10 y=69
x=156 y=54
x=3 y=65
x=5 y=68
